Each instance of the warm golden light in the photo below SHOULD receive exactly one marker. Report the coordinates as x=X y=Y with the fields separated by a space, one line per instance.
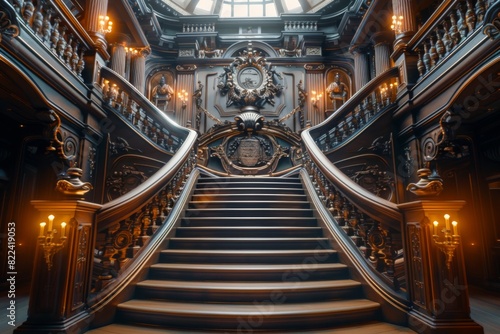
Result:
x=105 y=25
x=455 y=227
x=435 y=227
x=397 y=22
x=63 y=226
x=42 y=228
x=51 y=220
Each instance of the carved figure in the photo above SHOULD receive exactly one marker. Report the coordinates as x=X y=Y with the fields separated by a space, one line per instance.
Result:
x=337 y=91
x=162 y=94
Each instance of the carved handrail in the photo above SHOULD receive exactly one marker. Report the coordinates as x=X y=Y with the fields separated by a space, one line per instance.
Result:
x=357 y=112
x=448 y=27
x=185 y=140
x=369 y=219
x=125 y=224
x=141 y=113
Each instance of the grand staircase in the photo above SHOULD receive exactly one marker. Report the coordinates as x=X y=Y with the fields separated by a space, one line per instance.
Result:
x=248 y=257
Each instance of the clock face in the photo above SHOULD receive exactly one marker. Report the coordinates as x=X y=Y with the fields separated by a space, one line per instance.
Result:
x=249 y=78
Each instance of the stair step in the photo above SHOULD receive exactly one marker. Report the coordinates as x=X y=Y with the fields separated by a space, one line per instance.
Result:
x=246 y=243
x=212 y=204
x=248 y=292
x=312 y=270
x=249 y=231
x=224 y=180
x=249 y=256
x=262 y=316
x=255 y=184
x=248 y=212
x=248 y=191
x=372 y=327
x=249 y=197
x=286 y=220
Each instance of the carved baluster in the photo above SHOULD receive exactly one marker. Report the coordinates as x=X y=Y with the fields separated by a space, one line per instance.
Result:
x=480 y=10
x=27 y=11
x=68 y=51
x=46 y=26
x=432 y=52
x=54 y=36
x=80 y=66
x=427 y=58
x=440 y=48
x=454 y=31
x=462 y=25
x=38 y=20
x=61 y=43
x=447 y=40
x=74 y=57
x=470 y=16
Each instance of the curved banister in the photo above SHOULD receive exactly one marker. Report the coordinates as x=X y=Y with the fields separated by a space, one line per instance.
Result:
x=119 y=208
x=366 y=201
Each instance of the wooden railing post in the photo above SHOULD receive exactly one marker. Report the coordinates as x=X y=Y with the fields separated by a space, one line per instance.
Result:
x=436 y=277
x=62 y=267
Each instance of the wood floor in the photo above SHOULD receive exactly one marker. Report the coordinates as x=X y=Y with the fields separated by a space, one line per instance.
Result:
x=485 y=310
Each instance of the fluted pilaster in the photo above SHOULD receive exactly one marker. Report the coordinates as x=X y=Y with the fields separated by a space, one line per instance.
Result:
x=382 y=49
x=315 y=111
x=184 y=81
x=138 y=70
x=361 y=69
x=119 y=58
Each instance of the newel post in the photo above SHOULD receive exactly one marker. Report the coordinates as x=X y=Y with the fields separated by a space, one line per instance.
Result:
x=436 y=276
x=62 y=268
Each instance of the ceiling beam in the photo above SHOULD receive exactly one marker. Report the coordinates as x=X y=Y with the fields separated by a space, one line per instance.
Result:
x=217 y=7
x=279 y=7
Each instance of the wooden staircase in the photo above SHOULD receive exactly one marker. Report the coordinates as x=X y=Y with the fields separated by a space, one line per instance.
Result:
x=248 y=257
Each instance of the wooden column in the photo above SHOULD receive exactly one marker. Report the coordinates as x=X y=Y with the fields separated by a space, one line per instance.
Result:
x=94 y=9
x=436 y=280
x=60 y=287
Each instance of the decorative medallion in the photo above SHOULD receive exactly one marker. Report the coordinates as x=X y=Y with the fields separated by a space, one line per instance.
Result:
x=250 y=81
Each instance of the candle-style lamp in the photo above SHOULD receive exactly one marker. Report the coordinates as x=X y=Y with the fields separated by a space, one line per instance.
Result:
x=449 y=240
x=47 y=239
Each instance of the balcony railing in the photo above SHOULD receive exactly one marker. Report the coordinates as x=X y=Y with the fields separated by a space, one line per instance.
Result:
x=361 y=110
x=58 y=30
x=446 y=29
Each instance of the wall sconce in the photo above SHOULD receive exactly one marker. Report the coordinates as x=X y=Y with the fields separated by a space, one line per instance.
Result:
x=315 y=98
x=183 y=97
x=105 y=25
x=397 y=23
x=46 y=239
x=449 y=242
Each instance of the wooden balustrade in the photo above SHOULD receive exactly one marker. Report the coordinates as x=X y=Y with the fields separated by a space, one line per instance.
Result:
x=57 y=28
x=445 y=30
x=138 y=111
x=353 y=116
